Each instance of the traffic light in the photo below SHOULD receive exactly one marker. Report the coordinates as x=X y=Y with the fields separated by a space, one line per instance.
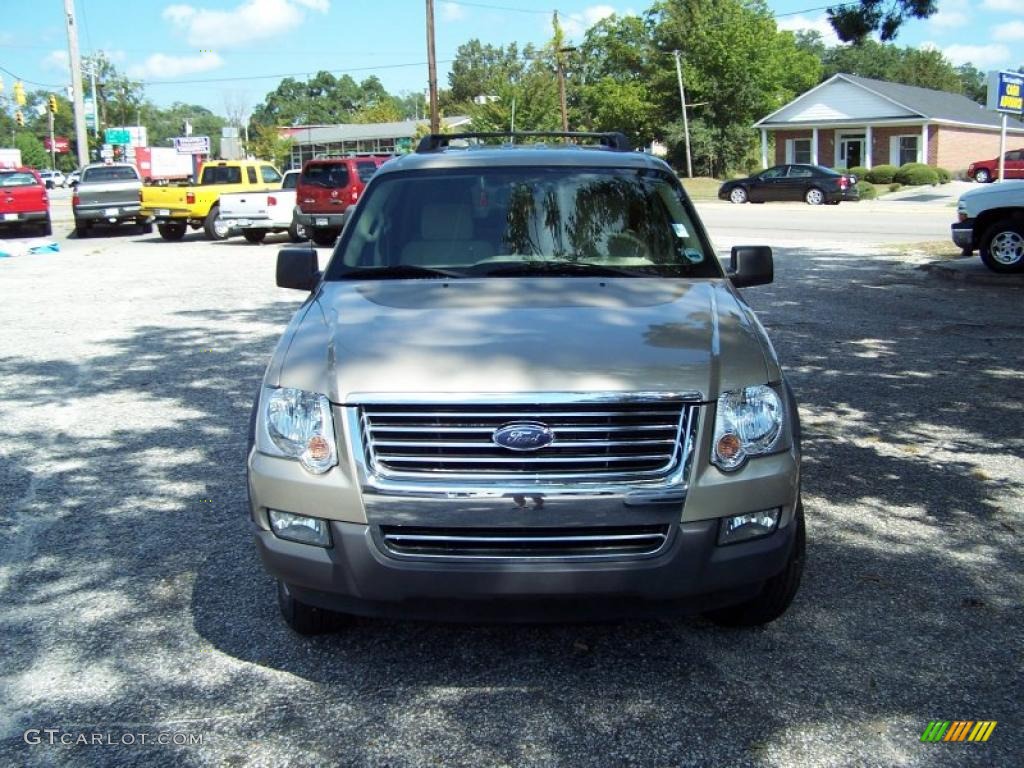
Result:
x=19 y=119
x=53 y=104
x=19 y=94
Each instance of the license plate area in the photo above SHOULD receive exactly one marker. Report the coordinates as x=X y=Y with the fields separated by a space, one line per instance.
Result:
x=110 y=211
x=320 y=222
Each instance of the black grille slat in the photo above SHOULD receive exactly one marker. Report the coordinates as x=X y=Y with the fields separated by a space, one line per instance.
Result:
x=525 y=542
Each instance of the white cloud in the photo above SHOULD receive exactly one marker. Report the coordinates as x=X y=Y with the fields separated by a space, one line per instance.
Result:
x=452 y=12
x=160 y=65
x=576 y=24
x=948 y=19
x=981 y=56
x=819 y=24
x=1004 y=6
x=247 y=22
x=1010 y=30
x=56 y=61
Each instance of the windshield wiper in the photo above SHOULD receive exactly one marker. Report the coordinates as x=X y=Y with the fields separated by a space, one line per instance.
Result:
x=397 y=272
x=559 y=269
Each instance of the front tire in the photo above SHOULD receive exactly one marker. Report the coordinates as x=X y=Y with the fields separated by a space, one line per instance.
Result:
x=982 y=176
x=305 y=619
x=172 y=231
x=814 y=196
x=1002 y=247
x=215 y=229
x=778 y=591
x=738 y=196
x=254 y=236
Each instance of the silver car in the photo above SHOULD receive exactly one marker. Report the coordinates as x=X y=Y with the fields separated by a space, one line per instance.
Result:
x=524 y=388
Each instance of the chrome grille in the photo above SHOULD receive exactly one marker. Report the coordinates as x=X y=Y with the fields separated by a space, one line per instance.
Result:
x=554 y=543
x=621 y=440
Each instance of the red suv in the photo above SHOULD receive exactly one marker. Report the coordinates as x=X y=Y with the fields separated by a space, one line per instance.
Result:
x=327 y=187
x=23 y=200
x=988 y=170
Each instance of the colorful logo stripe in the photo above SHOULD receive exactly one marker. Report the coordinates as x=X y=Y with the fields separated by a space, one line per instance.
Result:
x=958 y=730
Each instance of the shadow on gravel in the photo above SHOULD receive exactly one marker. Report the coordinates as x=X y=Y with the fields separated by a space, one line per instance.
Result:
x=909 y=609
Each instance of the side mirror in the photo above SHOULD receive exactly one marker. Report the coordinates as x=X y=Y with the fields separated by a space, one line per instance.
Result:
x=298 y=268
x=751 y=265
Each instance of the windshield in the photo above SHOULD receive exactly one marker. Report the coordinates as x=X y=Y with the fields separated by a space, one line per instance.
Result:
x=111 y=173
x=522 y=221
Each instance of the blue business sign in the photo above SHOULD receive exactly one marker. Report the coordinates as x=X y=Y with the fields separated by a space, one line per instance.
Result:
x=1006 y=92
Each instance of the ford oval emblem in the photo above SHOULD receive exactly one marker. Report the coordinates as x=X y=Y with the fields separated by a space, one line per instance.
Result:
x=523 y=436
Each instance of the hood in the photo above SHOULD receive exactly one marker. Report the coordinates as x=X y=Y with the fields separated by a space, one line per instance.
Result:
x=493 y=336
x=1011 y=188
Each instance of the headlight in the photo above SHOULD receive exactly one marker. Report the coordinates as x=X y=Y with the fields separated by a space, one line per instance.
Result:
x=747 y=423
x=300 y=426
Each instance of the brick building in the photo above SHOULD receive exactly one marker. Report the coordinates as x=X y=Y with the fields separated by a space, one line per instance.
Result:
x=849 y=120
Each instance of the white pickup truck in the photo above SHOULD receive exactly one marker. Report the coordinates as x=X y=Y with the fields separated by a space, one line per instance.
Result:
x=991 y=221
x=255 y=214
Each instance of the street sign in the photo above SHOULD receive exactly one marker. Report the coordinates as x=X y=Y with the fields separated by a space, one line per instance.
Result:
x=1006 y=92
x=192 y=145
x=60 y=144
x=116 y=136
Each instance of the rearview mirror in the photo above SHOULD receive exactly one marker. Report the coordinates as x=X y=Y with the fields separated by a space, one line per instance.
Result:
x=298 y=268
x=751 y=265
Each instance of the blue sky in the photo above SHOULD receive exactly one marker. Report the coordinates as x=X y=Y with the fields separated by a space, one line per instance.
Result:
x=167 y=42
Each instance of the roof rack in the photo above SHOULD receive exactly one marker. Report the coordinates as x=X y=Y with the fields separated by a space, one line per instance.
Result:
x=435 y=142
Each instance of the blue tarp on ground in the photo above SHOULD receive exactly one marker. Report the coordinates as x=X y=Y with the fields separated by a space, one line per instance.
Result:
x=26 y=247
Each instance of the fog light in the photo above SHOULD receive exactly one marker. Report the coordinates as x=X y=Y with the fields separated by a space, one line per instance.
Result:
x=752 y=525
x=305 y=530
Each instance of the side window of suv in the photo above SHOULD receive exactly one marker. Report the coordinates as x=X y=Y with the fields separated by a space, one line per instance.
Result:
x=269 y=174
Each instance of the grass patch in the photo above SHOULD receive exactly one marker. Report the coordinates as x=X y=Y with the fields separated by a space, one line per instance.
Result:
x=701 y=187
x=935 y=249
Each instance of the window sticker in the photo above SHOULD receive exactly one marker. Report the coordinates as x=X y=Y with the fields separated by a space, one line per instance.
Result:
x=680 y=230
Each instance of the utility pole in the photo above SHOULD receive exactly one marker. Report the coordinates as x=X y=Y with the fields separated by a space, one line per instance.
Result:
x=560 y=71
x=435 y=118
x=81 y=138
x=686 y=124
x=53 y=147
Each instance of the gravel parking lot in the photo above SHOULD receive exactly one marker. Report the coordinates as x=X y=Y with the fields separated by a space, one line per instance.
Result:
x=134 y=603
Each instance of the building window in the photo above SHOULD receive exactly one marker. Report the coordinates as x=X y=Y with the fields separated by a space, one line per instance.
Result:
x=798 y=151
x=904 y=149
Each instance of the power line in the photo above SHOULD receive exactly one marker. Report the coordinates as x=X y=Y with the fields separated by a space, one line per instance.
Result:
x=30 y=82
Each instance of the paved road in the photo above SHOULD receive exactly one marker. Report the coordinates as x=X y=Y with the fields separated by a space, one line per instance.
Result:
x=865 y=223
x=132 y=601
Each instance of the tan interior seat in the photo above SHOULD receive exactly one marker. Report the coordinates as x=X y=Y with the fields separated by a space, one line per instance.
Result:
x=446 y=238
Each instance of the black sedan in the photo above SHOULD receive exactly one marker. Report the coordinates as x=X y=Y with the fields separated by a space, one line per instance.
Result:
x=814 y=184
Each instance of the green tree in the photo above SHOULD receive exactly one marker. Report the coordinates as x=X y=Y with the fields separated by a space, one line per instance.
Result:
x=855 y=22
x=118 y=97
x=478 y=69
x=720 y=41
x=163 y=124
x=32 y=152
x=267 y=143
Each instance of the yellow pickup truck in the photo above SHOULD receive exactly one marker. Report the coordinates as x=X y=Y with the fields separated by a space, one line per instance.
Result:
x=174 y=208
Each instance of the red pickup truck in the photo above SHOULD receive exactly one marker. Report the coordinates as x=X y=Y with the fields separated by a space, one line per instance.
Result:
x=988 y=170
x=24 y=201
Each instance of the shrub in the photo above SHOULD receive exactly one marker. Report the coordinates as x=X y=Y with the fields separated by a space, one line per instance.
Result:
x=916 y=174
x=858 y=170
x=882 y=174
x=895 y=187
x=944 y=175
x=868 y=191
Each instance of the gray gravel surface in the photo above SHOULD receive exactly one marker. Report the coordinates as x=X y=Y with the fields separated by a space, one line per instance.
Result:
x=133 y=601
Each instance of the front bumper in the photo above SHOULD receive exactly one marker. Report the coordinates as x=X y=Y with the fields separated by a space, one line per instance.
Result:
x=963 y=234
x=692 y=575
